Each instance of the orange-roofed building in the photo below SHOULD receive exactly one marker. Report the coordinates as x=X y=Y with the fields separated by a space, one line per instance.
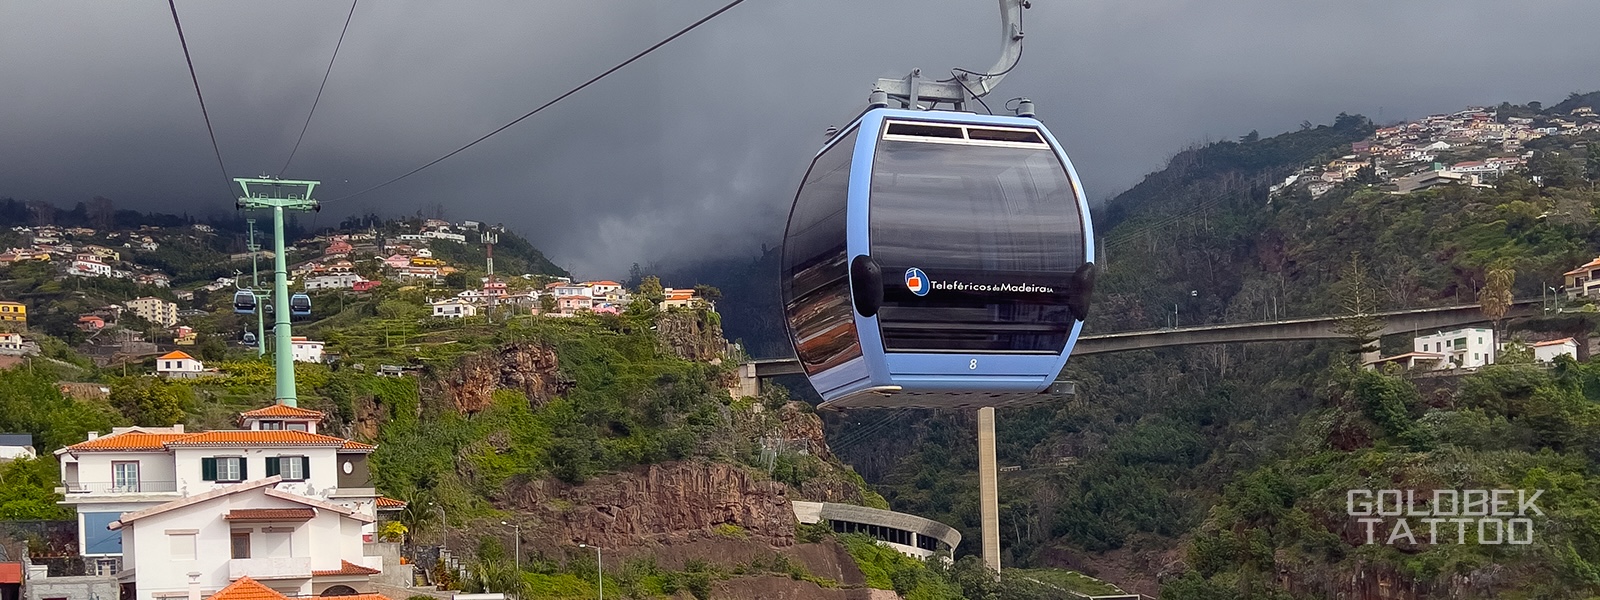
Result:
x=1547 y=351
x=278 y=451
x=179 y=365
x=1584 y=280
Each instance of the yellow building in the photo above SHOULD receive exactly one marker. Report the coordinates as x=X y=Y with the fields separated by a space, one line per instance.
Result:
x=14 y=311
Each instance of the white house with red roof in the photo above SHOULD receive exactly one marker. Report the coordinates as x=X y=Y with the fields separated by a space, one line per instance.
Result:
x=179 y=365
x=1547 y=351
x=139 y=490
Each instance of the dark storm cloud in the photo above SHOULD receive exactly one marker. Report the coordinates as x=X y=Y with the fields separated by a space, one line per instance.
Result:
x=695 y=150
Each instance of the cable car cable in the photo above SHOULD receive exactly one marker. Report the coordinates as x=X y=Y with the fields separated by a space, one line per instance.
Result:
x=203 y=113
x=563 y=96
x=318 y=99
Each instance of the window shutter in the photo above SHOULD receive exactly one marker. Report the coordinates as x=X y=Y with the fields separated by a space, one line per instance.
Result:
x=305 y=467
x=244 y=475
x=208 y=469
x=272 y=466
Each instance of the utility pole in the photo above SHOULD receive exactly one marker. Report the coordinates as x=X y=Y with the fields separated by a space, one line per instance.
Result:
x=490 y=236
x=277 y=195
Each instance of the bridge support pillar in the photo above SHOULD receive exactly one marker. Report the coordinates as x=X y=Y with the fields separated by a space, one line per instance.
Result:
x=749 y=384
x=988 y=489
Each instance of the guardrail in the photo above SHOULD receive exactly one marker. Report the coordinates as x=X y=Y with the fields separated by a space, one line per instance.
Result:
x=113 y=487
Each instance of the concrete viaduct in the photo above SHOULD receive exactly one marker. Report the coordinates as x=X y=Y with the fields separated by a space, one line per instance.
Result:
x=1310 y=328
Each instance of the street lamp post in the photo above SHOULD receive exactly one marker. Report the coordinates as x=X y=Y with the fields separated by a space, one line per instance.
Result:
x=516 y=543
x=599 y=570
x=444 y=528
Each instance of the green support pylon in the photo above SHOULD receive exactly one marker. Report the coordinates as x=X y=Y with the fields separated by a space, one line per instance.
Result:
x=277 y=195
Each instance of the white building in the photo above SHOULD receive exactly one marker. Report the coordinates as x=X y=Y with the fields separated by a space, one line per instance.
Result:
x=334 y=281
x=454 y=308
x=11 y=342
x=16 y=445
x=179 y=365
x=441 y=235
x=154 y=310
x=1467 y=348
x=307 y=351
x=276 y=502
x=89 y=267
x=1548 y=351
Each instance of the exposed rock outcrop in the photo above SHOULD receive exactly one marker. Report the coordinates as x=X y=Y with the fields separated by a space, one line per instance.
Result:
x=526 y=367
x=691 y=334
x=657 y=504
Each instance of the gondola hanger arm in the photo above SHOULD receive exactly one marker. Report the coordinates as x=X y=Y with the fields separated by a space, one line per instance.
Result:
x=912 y=91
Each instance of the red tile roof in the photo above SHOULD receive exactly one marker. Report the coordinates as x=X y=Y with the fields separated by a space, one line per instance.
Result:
x=257 y=515
x=246 y=588
x=355 y=445
x=1585 y=268
x=347 y=568
x=175 y=355
x=282 y=410
x=132 y=440
x=276 y=437
x=384 y=502
x=10 y=572
x=1553 y=342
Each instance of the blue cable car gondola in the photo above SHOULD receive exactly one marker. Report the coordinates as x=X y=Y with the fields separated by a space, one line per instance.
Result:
x=244 y=302
x=299 y=305
x=249 y=339
x=937 y=252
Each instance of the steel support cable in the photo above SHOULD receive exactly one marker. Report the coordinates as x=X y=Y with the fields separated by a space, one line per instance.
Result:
x=226 y=182
x=318 y=99
x=591 y=81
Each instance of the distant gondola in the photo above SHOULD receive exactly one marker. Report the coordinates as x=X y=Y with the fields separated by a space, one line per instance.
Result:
x=249 y=339
x=299 y=305
x=932 y=251
x=244 y=302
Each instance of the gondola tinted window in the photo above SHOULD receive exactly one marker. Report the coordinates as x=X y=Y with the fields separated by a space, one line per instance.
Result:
x=816 y=283
x=993 y=223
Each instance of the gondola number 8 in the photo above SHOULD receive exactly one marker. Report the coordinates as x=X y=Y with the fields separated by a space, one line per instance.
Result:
x=973 y=364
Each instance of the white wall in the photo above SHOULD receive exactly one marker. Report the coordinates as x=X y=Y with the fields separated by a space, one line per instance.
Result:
x=1550 y=352
x=322 y=539
x=95 y=467
x=324 y=475
x=1479 y=349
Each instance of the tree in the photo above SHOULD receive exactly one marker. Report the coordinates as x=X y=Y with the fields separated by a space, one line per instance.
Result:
x=151 y=401
x=1592 y=163
x=1358 y=299
x=1495 y=297
x=650 y=289
x=547 y=303
x=707 y=293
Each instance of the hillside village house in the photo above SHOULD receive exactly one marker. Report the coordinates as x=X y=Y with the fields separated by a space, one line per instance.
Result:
x=1583 y=281
x=154 y=310
x=305 y=350
x=88 y=266
x=454 y=308
x=275 y=502
x=13 y=312
x=333 y=281
x=1468 y=348
x=678 y=298
x=179 y=365
x=1547 y=351
x=10 y=342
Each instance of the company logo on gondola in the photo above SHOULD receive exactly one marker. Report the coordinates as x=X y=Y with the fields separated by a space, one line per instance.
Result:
x=917 y=281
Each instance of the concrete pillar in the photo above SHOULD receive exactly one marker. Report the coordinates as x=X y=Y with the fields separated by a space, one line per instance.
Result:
x=988 y=489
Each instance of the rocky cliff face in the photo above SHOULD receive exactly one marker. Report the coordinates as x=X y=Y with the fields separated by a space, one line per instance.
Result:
x=656 y=504
x=527 y=367
x=691 y=334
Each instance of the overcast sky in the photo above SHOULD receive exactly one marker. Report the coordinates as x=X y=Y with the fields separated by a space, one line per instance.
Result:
x=696 y=150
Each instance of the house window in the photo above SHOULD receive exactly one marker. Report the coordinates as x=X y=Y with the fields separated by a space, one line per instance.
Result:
x=105 y=566
x=292 y=468
x=125 y=476
x=223 y=469
x=297 y=427
x=241 y=544
x=272 y=425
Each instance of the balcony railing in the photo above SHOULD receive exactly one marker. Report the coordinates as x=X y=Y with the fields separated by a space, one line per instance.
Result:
x=287 y=567
x=120 y=487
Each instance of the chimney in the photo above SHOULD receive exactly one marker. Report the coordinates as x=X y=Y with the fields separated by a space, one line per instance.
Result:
x=94 y=434
x=177 y=428
x=194 y=585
